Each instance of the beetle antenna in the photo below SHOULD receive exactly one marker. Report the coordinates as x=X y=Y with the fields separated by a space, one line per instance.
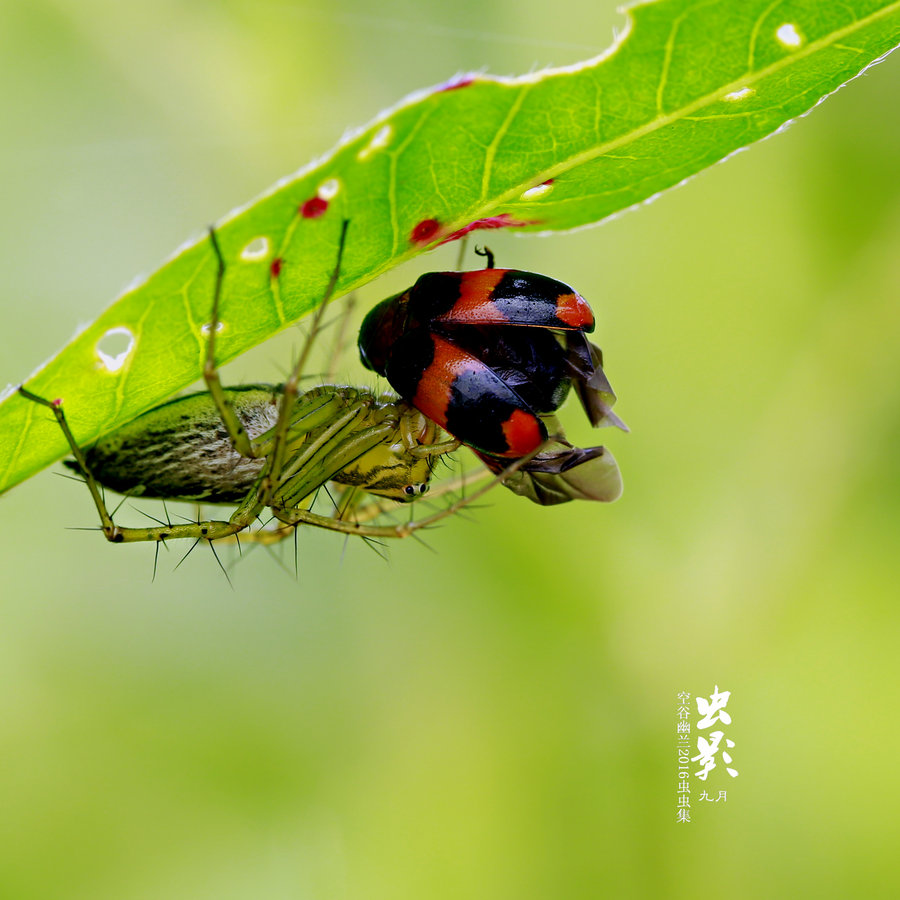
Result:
x=486 y=252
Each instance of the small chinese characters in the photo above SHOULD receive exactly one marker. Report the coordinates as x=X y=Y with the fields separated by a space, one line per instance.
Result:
x=683 y=751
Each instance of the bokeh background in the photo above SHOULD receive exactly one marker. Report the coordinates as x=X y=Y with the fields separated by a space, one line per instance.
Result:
x=493 y=717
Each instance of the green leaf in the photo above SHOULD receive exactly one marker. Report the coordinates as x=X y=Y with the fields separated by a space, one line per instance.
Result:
x=690 y=82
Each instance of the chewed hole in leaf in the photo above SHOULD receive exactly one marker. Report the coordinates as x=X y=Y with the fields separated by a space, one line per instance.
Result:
x=328 y=189
x=788 y=35
x=379 y=141
x=740 y=94
x=204 y=329
x=539 y=190
x=114 y=348
x=257 y=249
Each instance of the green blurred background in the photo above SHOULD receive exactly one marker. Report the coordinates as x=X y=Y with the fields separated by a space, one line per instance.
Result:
x=495 y=719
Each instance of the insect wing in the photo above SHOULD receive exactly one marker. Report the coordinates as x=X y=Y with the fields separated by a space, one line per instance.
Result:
x=498 y=297
x=563 y=474
x=530 y=361
x=463 y=395
x=585 y=361
x=592 y=475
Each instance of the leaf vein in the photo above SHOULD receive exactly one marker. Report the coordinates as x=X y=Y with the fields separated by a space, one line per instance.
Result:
x=126 y=372
x=392 y=176
x=23 y=439
x=491 y=152
x=754 y=34
x=662 y=121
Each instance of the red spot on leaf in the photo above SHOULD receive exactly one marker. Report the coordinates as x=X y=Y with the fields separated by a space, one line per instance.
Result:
x=313 y=208
x=275 y=267
x=458 y=81
x=57 y=401
x=424 y=231
x=504 y=220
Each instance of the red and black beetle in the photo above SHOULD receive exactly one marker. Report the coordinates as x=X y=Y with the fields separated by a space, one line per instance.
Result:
x=487 y=353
